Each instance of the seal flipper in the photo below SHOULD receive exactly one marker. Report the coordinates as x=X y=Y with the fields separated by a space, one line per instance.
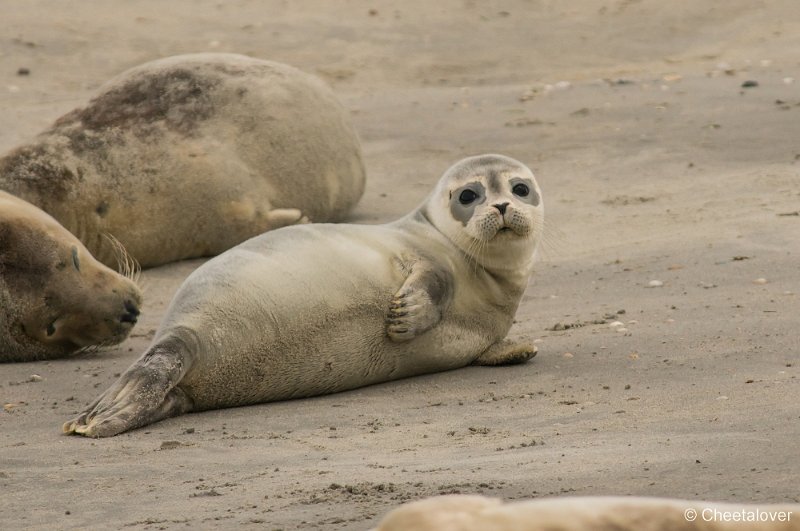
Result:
x=283 y=217
x=146 y=393
x=420 y=302
x=506 y=352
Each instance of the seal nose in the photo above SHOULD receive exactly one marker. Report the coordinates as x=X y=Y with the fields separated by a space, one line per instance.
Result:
x=131 y=312
x=501 y=207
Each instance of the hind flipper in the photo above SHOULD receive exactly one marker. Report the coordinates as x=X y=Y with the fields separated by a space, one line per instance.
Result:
x=144 y=394
x=283 y=217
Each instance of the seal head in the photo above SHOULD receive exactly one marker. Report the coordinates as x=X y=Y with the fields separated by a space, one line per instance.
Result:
x=55 y=298
x=490 y=207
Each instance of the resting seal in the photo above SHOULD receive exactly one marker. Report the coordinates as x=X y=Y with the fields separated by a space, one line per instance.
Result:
x=315 y=309
x=190 y=155
x=601 y=513
x=55 y=298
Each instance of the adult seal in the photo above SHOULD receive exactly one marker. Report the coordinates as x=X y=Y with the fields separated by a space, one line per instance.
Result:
x=314 y=309
x=464 y=512
x=190 y=155
x=55 y=298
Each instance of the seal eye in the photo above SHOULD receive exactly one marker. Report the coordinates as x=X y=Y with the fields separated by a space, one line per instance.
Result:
x=51 y=329
x=75 y=261
x=521 y=190
x=467 y=196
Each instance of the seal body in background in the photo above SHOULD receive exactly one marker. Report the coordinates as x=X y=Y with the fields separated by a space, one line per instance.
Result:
x=320 y=308
x=190 y=155
x=466 y=512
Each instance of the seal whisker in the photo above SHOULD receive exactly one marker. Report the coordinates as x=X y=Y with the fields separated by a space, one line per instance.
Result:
x=553 y=242
x=126 y=264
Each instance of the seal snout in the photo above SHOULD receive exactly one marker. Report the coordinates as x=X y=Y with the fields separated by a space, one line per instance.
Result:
x=131 y=312
x=501 y=207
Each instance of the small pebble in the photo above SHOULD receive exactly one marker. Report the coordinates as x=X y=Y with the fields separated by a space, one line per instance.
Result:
x=750 y=83
x=633 y=321
x=529 y=94
x=655 y=284
x=723 y=397
x=616 y=323
x=23 y=71
x=760 y=281
x=568 y=355
x=622 y=330
x=35 y=378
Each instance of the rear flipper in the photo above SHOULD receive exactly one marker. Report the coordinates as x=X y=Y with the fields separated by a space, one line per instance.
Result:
x=144 y=394
x=506 y=352
x=283 y=217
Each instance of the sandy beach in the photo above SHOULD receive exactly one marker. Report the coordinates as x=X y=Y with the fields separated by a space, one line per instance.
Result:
x=665 y=137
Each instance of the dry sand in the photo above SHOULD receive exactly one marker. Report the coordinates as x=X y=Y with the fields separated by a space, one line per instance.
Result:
x=656 y=164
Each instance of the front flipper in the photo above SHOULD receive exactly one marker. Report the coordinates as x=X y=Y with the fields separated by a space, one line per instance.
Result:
x=144 y=394
x=506 y=352
x=420 y=302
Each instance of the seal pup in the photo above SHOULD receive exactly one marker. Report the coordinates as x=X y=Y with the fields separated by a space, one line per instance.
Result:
x=314 y=309
x=587 y=513
x=190 y=155
x=55 y=298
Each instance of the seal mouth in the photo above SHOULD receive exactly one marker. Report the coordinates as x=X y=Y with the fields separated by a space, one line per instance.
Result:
x=507 y=232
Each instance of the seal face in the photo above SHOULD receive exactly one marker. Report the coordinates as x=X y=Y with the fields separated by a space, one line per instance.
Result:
x=489 y=206
x=55 y=298
x=216 y=148
x=320 y=308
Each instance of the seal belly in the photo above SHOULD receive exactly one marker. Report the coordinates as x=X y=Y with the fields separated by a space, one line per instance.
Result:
x=272 y=329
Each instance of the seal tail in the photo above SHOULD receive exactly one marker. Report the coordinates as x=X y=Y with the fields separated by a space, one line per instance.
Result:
x=146 y=393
